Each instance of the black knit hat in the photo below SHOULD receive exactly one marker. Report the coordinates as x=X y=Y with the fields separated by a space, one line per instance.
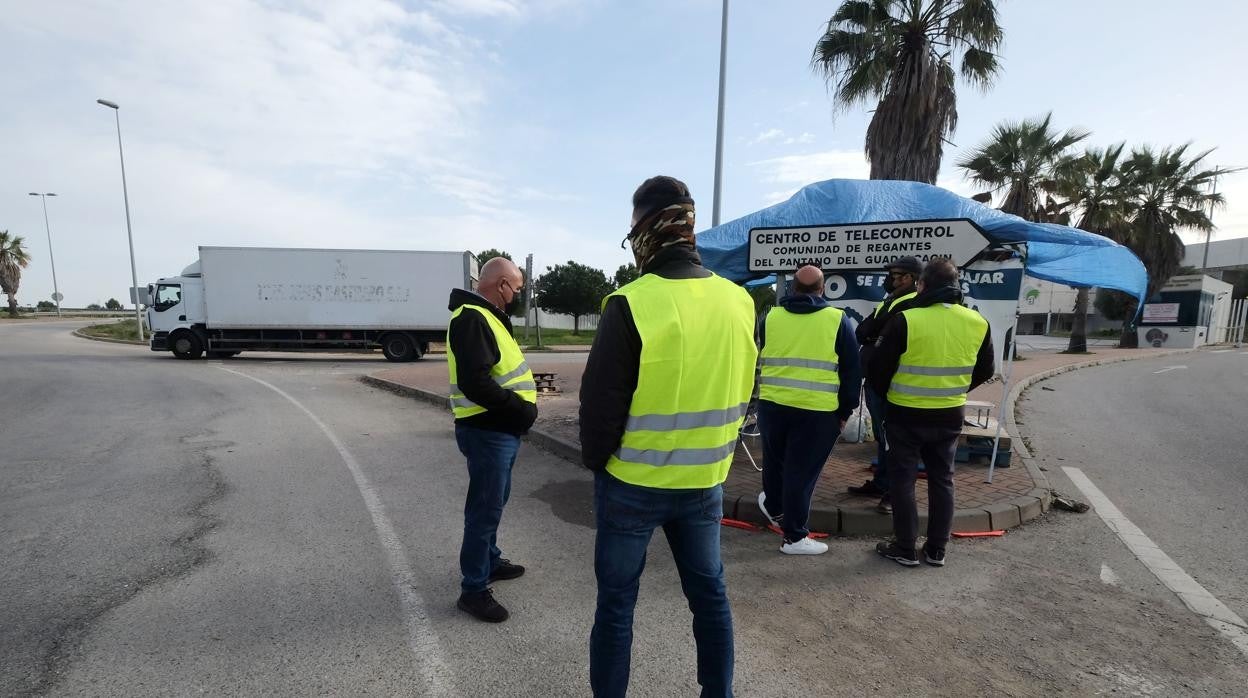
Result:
x=910 y=265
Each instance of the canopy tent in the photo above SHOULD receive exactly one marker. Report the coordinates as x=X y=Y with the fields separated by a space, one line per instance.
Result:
x=1054 y=252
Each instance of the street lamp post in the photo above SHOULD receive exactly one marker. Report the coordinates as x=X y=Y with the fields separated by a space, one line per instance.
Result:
x=56 y=291
x=134 y=275
x=719 y=124
x=1204 y=265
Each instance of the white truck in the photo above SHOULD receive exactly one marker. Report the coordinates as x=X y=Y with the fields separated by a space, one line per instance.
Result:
x=237 y=299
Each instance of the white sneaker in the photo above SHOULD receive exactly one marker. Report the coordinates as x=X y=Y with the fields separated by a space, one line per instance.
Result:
x=805 y=546
x=774 y=521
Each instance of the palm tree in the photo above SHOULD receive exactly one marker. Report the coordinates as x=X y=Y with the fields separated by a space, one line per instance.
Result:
x=1022 y=160
x=13 y=258
x=1095 y=186
x=900 y=53
x=1170 y=192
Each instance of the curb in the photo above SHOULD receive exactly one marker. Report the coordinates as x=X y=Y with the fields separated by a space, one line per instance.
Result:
x=133 y=342
x=547 y=442
x=864 y=521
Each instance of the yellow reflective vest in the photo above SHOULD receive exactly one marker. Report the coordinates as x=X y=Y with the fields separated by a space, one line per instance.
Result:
x=942 y=343
x=693 y=384
x=799 y=361
x=511 y=371
x=885 y=305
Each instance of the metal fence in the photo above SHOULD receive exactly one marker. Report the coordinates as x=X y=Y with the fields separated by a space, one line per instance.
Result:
x=550 y=321
x=1234 y=330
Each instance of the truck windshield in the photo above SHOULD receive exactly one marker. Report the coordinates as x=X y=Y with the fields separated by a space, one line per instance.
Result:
x=167 y=296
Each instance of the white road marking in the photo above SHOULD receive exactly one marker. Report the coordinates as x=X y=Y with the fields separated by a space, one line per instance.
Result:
x=1169 y=368
x=420 y=636
x=1189 y=591
x=1221 y=351
x=1108 y=576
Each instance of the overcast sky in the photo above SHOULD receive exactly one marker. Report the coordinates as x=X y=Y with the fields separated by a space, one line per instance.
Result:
x=518 y=124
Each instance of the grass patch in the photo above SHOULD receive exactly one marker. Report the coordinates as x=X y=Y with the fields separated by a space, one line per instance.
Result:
x=550 y=337
x=113 y=330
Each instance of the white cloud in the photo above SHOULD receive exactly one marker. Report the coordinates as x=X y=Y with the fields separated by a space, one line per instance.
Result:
x=804 y=139
x=504 y=8
x=321 y=124
x=796 y=171
x=489 y=8
x=767 y=136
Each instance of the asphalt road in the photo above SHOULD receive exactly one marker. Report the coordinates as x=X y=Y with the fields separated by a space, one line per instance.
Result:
x=1167 y=440
x=173 y=528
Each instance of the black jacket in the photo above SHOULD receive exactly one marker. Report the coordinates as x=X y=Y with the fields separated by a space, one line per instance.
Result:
x=476 y=351
x=892 y=345
x=614 y=362
x=868 y=331
x=850 y=373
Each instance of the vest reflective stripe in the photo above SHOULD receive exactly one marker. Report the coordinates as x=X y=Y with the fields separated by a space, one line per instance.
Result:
x=679 y=456
x=511 y=372
x=799 y=361
x=524 y=385
x=933 y=392
x=942 y=343
x=802 y=363
x=937 y=370
x=502 y=380
x=800 y=385
x=693 y=385
x=686 y=420
x=886 y=304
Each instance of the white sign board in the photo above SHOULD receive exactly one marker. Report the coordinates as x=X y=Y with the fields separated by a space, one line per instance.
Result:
x=864 y=245
x=1161 y=312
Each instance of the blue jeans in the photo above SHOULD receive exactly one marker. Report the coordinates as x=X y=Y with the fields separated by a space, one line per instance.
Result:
x=490 y=456
x=877 y=406
x=627 y=516
x=796 y=445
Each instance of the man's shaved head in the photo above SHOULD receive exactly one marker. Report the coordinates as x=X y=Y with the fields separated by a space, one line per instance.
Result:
x=500 y=268
x=500 y=281
x=809 y=280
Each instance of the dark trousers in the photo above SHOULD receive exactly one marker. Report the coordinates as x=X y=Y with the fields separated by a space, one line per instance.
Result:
x=877 y=406
x=490 y=455
x=935 y=447
x=627 y=516
x=796 y=444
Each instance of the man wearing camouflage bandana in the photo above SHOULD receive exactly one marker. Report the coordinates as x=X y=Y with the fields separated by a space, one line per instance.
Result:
x=665 y=388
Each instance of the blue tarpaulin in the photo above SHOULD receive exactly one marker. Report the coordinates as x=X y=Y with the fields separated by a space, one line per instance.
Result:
x=1054 y=252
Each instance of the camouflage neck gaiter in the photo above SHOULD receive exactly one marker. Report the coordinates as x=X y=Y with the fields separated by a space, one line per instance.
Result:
x=668 y=226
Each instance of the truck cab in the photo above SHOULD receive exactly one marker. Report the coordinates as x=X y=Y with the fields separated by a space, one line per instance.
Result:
x=176 y=313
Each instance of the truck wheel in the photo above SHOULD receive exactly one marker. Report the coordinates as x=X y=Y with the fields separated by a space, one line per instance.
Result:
x=399 y=347
x=186 y=345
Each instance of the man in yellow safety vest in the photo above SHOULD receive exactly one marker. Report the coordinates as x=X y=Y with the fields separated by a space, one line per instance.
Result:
x=929 y=357
x=665 y=388
x=901 y=276
x=808 y=386
x=494 y=400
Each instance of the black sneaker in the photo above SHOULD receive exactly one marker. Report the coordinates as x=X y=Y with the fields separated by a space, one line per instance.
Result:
x=885 y=506
x=906 y=558
x=482 y=606
x=868 y=489
x=933 y=556
x=505 y=570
